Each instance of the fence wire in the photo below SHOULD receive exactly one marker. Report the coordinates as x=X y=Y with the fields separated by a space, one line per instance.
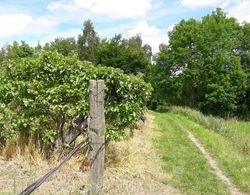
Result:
x=42 y=179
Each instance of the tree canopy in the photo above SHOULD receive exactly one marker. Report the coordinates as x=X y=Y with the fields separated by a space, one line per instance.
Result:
x=88 y=42
x=126 y=54
x=203 y=64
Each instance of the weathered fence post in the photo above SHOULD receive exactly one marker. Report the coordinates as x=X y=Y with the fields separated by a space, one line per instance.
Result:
x=96 y=134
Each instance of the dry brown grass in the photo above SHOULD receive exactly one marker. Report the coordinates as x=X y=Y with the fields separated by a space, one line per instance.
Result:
x=9 y=150
x=132 y=167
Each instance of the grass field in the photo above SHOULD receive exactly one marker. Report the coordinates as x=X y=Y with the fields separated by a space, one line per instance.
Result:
x=226 y=141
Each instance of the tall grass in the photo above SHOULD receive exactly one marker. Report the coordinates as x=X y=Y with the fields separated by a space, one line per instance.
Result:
x=237 y=132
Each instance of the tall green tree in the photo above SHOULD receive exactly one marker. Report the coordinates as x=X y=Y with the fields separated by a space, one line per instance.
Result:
x=183 y=60
x=64 y=46
x=126 y=54
x=245 y=61
x=2 y=56
x=17 y=50
x=221 y=73
x=88 y=42
x=163 y=74
x=204 y=65
x=148 y=50
x=38 y=48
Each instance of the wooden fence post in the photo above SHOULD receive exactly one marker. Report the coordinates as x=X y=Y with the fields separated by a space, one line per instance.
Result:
x=96 y=134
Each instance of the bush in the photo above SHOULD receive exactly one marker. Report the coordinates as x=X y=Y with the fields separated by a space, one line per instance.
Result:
x=41 y=95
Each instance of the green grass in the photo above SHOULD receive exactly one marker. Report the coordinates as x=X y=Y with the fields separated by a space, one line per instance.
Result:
x=236 y=132
x=228 y=141
x=185 y=164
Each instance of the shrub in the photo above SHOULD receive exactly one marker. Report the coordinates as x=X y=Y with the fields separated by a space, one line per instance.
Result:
x=41 y=95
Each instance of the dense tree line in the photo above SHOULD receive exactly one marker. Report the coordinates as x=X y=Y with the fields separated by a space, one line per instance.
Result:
x=128 y=54
x=205 y=65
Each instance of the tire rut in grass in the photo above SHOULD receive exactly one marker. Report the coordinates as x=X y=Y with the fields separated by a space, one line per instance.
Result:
x=183 y=161
x=213 y=163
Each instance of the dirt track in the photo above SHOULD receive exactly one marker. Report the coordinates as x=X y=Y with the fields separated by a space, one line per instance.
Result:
x=213 y=163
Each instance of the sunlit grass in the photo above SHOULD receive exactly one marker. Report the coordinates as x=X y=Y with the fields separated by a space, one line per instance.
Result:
x=183 y=161
x=228 y=141
x=236 y=132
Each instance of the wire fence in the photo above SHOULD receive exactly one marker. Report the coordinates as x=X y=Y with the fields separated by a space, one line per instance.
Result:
x=95 y=140
x=42 y=179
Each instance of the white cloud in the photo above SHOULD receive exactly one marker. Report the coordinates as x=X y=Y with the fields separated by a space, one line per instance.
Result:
x=171 y=27
x=199 y=3
x=86 y=4
x=19 y=24
x=45 y=21
x=235 y=8
x=61 y=5
x=150 y=34
x=65 y=34
x=115 y=9
x=241 y=11
x=115 y=30
x=206 y=3
x=11 y=24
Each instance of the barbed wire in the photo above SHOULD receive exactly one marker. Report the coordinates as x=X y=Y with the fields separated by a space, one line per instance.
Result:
x=87 y=141
x=42 y=179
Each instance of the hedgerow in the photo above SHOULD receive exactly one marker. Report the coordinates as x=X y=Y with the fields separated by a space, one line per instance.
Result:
x=41 y=95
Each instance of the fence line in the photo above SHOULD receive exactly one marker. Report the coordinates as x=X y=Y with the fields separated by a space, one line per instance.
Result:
x=95 y=140
x=96 y=135
x=42 y=179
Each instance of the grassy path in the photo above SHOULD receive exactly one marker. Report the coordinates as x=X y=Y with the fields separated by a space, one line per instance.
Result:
x=189 y=163
x=189 y=170
x=213 y=163
x=231 y=160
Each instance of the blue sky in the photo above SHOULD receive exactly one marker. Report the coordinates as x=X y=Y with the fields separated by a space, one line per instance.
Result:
x=45 y=20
